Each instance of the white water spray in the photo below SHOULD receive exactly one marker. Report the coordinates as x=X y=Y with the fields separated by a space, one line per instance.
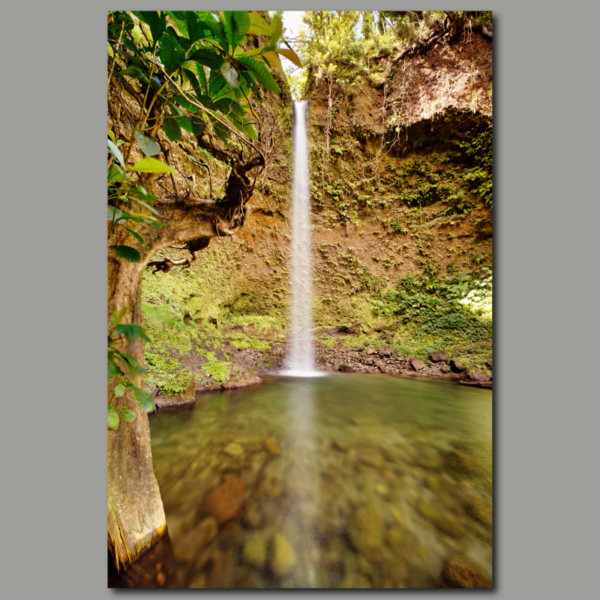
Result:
x=301 y=361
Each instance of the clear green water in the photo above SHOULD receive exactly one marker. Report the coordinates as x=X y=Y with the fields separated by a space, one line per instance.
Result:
x=380 y=481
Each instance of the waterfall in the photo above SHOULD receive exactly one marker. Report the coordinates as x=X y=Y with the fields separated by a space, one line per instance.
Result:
x=301 y=360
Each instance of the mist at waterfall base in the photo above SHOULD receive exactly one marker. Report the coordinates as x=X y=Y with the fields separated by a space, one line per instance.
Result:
x=301 y=359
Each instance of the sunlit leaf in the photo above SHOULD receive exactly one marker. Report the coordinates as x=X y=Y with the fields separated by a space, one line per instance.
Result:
x=128 y=415
x=113 y=368
x=119 y=390
x=290 y=55
x=113 y=417
x=276 y=28
x=151 y=165
x=157 y=22
x=118 y=316
x=116 y=153
x=111 y=135
x=230 y=75
x=258 y=26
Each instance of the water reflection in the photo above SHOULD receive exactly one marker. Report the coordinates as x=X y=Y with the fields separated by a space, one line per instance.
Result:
x=343 y=481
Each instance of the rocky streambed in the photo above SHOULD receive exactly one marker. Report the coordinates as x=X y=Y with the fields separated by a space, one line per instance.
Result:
x=345 y=481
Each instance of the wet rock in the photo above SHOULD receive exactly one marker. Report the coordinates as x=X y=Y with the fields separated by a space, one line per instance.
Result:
x=480 y=509
x=458 y=366
x=188 y=397
x=371 y=351
x=446 y=368
x=441 y=521
x=226 y=501
x=346 y=369
x=417 y=364
x=234 y=450
x=366 y=531
x=283 y=557
x=479 y=376
x=371 y=459
x=489 y=363
x=255 y=551
x=439 y=356
x=272 y=446
x=240 y=377
x=457 y=575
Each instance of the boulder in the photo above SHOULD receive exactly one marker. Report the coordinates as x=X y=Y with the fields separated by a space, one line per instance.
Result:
x=489 y=363
x=458 y=366
x=479 y=376
x=283 y=557
x=240 y=377
x=457 y=575
x=371 y=351
x=226 y=501
x=439 y=356
x=417 y=364
x=446 y=369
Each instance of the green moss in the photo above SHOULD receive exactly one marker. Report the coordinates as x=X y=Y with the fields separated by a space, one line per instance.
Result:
x=220 y=371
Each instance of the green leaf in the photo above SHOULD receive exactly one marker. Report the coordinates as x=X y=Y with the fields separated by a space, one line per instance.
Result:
x=230 y=75
x=240 y=22
x=141 y=397
x=132 y=332
x=207 y=57
x=276 y=28
x=115 y=174
x=157 y=22
x=116 y=153
x=180 y=21
x=258 y=26
x=147 y=144
x=128 y=415
x=151 y=165
x=136 y=235
x=118 y=316
x=171 y=53
x=132 y=364
x=141 y=202
x=261 y=72
x=113 y=417
x=111 y=135
x=114 y=214
x=195 y=26
x=119 y=390
x=134 y=73
x=198 y=125
x=113 y=368
x=127 y=253
x=172 y=129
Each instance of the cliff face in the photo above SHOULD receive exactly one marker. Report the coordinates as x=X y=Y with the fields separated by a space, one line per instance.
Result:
x=401 y=188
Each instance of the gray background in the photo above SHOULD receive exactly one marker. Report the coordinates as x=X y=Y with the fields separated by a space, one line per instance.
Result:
x=54 y=298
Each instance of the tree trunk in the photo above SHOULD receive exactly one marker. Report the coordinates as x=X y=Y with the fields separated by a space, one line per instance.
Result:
x=136 y=518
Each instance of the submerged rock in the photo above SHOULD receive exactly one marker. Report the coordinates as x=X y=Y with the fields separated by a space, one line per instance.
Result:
x=457 y=575
x=283 y=557
x=272 y=446
x=366 y=532
x=255 y=551
x=234 y=450
x=193 y=543
x=441 y=521
x=225 y=502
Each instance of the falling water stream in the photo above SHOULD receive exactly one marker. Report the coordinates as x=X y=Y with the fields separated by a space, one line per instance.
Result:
x=301 y=360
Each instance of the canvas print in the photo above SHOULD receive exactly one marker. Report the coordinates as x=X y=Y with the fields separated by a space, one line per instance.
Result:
x=300 y=368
